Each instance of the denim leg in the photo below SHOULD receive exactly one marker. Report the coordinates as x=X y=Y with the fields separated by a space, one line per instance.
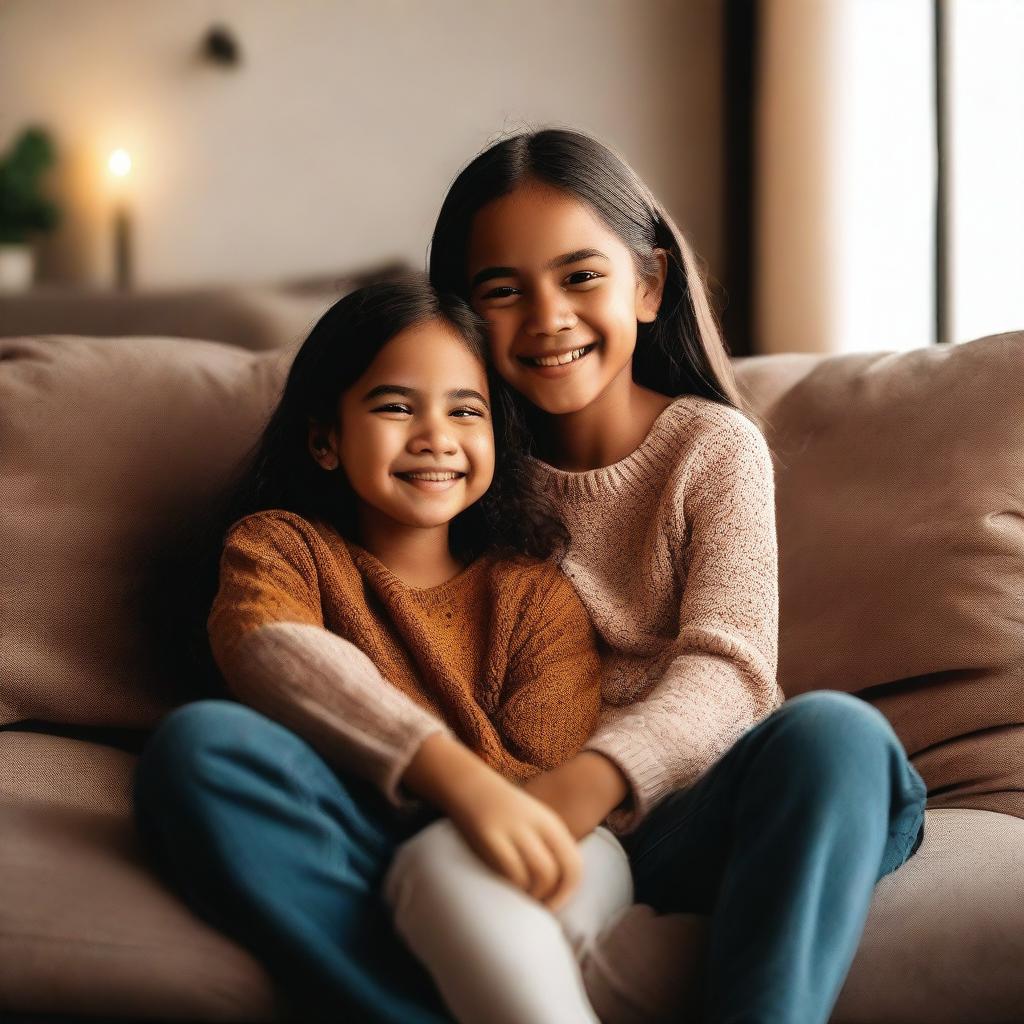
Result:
x=265 y=842
x=782 y=842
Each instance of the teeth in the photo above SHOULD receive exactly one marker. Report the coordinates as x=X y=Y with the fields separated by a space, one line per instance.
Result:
x=431 y=476
x=567 y=357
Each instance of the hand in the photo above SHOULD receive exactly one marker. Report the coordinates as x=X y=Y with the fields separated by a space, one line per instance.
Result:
x=519 y=837
x=582 y=792
x=511 y=831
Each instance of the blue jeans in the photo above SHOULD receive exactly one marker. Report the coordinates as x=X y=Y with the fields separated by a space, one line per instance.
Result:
x=263 y=841
x=781 y=841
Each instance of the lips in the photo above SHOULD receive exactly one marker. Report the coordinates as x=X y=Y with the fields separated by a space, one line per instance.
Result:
x=563 y=358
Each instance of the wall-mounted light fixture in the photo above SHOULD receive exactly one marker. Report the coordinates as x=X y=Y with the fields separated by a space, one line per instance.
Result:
x=220 y=47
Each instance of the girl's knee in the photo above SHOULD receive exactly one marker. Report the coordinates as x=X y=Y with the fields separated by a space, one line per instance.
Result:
x=435 y=850
x=196 y=724
x=843 y=744
x=192 y=736
x=436 y=858
x=832 y=722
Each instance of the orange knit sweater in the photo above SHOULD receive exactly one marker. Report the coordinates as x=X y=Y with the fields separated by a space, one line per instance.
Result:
x=503 y=655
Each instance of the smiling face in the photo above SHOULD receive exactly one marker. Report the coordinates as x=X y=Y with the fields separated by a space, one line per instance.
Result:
x=414 y=434
x=561 y=296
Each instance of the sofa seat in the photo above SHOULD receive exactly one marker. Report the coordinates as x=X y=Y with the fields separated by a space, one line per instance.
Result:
x=944 y=939
x=86 y=927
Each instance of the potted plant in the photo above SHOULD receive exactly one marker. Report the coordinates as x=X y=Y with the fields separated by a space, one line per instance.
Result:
x=23 y=209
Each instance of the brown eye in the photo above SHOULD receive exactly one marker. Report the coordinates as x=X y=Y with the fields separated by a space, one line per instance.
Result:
x=582 y=277
x=503 y=291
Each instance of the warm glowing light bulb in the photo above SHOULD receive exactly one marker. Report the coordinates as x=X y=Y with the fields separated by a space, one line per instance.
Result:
x=120 y=163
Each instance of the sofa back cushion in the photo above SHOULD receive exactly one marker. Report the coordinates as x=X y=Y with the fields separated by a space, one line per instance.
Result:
x=900 y=505
x=109 y=449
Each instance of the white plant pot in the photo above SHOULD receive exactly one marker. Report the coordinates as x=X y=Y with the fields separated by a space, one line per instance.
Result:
x=17 y=267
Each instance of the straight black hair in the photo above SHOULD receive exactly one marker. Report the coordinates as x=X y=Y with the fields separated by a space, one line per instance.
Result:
x=682 y=351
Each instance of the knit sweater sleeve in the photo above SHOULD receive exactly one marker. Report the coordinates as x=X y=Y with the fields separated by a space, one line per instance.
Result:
x=267 y=634
x=552 y=694
x=719 y=676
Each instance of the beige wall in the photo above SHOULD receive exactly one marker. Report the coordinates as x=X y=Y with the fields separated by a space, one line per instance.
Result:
x=333 y=144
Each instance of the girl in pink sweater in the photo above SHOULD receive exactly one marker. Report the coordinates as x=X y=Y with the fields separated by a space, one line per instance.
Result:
x=773 y=820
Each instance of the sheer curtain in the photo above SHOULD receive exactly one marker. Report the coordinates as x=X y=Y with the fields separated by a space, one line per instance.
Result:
x=985 y=129
x=845 y=176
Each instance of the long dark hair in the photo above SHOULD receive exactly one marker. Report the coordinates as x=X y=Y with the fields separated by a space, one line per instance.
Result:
x=682 y=351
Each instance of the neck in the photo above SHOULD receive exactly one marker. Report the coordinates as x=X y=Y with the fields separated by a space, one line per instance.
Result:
x=418 y=556
x=607 y=430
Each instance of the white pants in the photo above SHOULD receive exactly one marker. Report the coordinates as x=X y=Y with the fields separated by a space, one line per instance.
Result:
x=497 y=955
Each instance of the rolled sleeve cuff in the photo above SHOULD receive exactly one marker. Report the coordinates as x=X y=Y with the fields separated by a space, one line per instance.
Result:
x=645 y=774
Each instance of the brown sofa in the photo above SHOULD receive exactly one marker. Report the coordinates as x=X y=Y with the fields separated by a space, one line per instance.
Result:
x=900 y=485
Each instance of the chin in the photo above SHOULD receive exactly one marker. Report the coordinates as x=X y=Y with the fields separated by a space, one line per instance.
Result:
x=562 y=404
x=428 y=520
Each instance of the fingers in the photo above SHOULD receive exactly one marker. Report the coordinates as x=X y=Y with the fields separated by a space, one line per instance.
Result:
x=567 y=852
x=553 y=860
x=523 y=840
x=543 y=866
x=501 y=853
x=542 y=861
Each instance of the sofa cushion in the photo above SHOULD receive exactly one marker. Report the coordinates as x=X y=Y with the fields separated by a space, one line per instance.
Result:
x=109 y=450
x=42 y=771
x=900 y=505
x=944 y=938
x=943 y=941
x=85 y=926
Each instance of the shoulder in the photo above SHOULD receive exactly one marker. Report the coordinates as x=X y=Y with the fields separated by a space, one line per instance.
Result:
x=276 y=531
x=714 y=437
x=724 y=469
x=270 y=523
x=703 y=420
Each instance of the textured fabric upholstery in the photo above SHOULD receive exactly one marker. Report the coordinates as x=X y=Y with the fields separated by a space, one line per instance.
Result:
x=900 y=508
x=86 y=927
x=944 y=938
x=109 y=449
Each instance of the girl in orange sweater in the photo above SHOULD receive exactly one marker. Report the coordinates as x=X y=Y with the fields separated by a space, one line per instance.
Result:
x=389 y=601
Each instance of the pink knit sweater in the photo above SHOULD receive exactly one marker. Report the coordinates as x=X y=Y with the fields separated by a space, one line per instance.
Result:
x=673 y=554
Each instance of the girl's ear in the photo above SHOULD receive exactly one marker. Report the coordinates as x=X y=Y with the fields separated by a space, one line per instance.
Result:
x=650 y=287
x=323 y=446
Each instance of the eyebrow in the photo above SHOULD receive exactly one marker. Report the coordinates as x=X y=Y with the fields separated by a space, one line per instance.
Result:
x=576 y=256
x=399 y=389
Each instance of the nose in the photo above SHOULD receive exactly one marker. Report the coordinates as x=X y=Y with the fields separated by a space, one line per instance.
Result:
x=550 y=312
x=433 y=437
